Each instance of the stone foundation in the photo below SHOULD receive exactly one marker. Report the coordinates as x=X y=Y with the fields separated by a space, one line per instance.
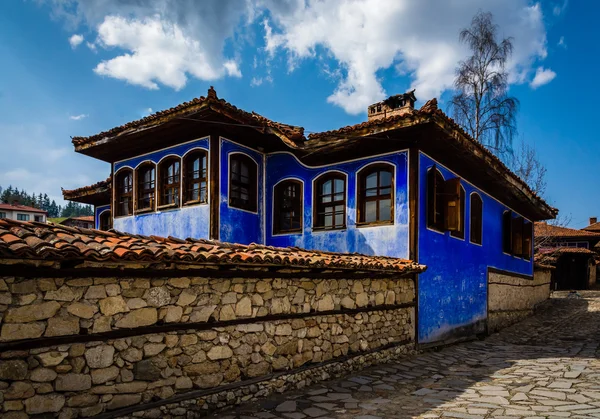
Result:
x=132 y=346
x=513 y=298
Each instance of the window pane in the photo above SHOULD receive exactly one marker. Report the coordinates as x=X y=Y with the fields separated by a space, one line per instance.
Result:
x=328 y=221
x=385 y=210
x=339 y=185
x=339 y=220
x=326 y=189
x=338 y=197
x=370 y=211
x=385 y=178
x=371 y=181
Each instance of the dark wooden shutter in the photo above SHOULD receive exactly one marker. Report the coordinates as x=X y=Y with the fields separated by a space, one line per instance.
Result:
x=527 y=239
x=452 y=205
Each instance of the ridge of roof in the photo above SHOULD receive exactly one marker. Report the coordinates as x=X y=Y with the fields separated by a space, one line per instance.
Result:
x=592 y=227
x=18 y=207
x=293 y=133
x=54 y=242
x=101 y=186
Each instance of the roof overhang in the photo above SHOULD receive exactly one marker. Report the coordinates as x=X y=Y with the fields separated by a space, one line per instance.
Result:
x=97 y=194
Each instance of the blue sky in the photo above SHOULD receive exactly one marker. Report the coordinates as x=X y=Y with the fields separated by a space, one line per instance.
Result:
x=74 y=68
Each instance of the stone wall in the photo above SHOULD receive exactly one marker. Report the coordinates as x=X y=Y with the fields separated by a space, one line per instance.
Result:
x=81 y=346
x=512 y=298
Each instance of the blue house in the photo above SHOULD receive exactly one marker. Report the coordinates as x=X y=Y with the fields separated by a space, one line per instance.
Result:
x=407 y=183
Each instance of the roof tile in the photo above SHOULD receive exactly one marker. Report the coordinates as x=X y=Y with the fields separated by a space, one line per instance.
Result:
x=58 y=242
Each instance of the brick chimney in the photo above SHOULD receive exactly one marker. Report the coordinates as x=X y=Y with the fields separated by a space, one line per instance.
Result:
x=393 y=105
x=593 y=220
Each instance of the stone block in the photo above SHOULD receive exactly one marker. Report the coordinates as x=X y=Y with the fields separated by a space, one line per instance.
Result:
x=102 y=375
x=64 y=293
x=62 y=326
x=85 y=311
x=158 y=296
x=123 y=400
x=179 y=282
x=100 y=356
x=243 y=308
x=52 y=358
x=146 y=370
x=219 y=352
x=95 y=292
x=19 y=390
x=73 y=382
x=14 y=369
x=138 y=318
x=18 y=331
x=110 y=306
x=32 y=313
x=42 y=375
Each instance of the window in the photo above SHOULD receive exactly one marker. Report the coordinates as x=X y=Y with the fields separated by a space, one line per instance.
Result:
x=23 y=217
x=287 y=211
x=2 y=215
x=170 y=175
x=194 y=177
x=145 y=187
x=527 y=240
x=243 y=182
x=39 y=218
x=460 y=213
x=330 y=201
x=124 y=193
x=375 y=194
x=517 y=235
x=507 y=232
x=476 y=228
x=105 y=221
x=435 y=199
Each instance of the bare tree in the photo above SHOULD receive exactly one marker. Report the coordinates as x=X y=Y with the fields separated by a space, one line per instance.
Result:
x=482 y=105
x=529 y=168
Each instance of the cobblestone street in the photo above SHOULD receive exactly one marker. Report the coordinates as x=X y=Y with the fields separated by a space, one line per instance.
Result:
x=545 y=367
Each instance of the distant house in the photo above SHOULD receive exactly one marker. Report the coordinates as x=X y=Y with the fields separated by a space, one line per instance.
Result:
x=86 y=221
x=406 y=183
x=594 y=225
x=571 y=252
x=22 y=213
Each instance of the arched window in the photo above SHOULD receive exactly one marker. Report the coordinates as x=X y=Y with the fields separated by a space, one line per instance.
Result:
x=507 y=235
x=376 y=194
x=146 y=187
x=435 y=199
x=330 y=201
x=194 y=177
x=287 y=210
x=124 y=192
x=476 y=228
x=170 y=182
x=460 y=228
x=243 y=182
x=105 y=221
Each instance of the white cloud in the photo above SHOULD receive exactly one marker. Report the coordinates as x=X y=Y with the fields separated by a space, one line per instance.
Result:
x=75 y=40
x=165 y=42
x=256 y=81
x=147 y=111
x=419 y=38
x=542 y=76
x=562 y=43
x=560 y=9
x=78 y=117
x=91 y=46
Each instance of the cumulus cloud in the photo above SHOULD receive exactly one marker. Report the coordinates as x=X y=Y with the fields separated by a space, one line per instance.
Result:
x=542 y=76
x=165 y=42
x=75 y=40
x=78 y=117
x=559 y=9
x=562 y=43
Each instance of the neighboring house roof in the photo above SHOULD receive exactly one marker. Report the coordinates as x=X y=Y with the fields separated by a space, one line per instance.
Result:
x=25 y=240
x=96 y=194
x=89 y=218
x=550 y=256
x=546 y=230
x=24 y=208
x=62 y=220
x=57 y=220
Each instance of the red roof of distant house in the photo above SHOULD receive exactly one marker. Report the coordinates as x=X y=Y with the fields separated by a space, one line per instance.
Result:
x=592 y=227
x=546 y=230
x=83 y=218
x=52 y=242
x=25 y=208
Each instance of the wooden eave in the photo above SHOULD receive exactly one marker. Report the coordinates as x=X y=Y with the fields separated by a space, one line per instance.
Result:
x=96 y=197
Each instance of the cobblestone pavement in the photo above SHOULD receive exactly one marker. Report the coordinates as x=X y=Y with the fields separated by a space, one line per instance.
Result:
x=544 y=367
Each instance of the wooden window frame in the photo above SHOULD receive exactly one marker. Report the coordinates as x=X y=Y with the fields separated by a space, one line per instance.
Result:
x=101 y=225
x=527 y=239
x=23 y=217
x=278 y=199
x=362 y=199
x=165 y=184
x=475 y=220
x=121 y=193
x=459 y=232
x=141 y=190
x=517 y=236
x=434 y=202
x=190 y=181
x=319 y=206
x=251 y=185
x=507 y=240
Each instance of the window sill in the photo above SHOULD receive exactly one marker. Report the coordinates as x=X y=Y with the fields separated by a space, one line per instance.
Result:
x=123 y=216
x=144 y=211
x=375 y=224
x=167 y=207
x=287 y=233
x=320 y=229
x=190 y=203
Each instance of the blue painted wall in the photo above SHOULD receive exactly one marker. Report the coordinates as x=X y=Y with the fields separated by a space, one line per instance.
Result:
x=192 y=221
x=97 y=211
x=453 y=290
x=236 y=225
x=389 y=240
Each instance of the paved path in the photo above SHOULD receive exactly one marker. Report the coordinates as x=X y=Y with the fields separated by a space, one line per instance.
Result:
x=544 y=367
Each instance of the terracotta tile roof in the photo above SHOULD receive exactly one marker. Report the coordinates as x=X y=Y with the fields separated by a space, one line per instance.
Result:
x=290 y=134
x=84 y=218
x=97 y=187
x=24 y=208
x=562 y=250
x=24 y=240
x=542 y=229
x=428 y=110
x=592 y=227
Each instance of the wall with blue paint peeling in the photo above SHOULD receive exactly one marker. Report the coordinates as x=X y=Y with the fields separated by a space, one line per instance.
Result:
x=390 y=240
x=97 y=211
x=236 y=225
x=192 y=221
x=452 y=296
